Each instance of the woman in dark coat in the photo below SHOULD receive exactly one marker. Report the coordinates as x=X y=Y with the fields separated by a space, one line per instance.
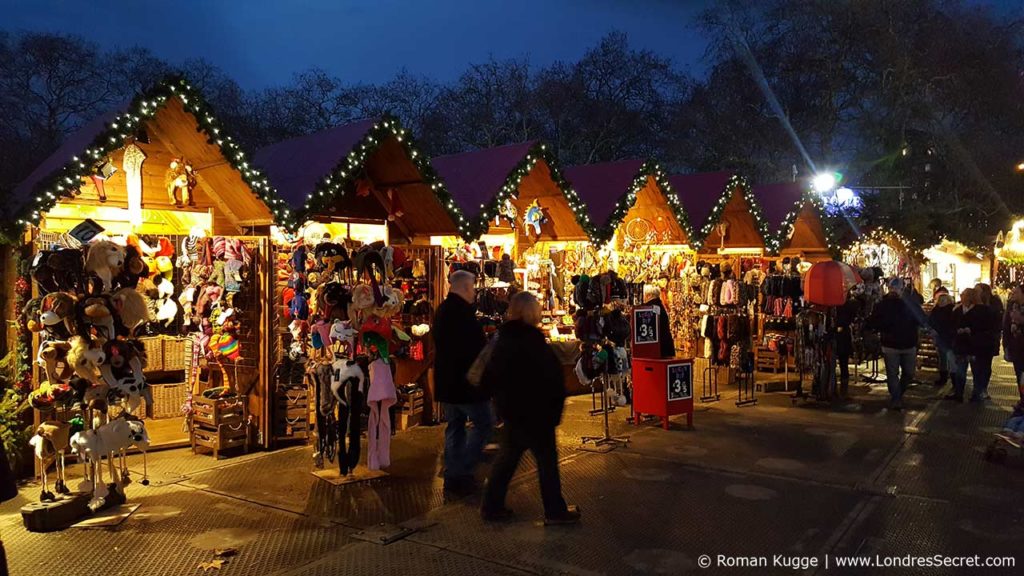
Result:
x=526 y=379
x=941 y=322
x=985 y=351
x=972 y=344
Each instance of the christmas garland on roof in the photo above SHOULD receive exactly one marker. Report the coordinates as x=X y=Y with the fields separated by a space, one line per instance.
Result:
x=510 y=190
x=67 y=180
x=650 y=169
x=789 y=224
x=335 y=184
x=753 y=207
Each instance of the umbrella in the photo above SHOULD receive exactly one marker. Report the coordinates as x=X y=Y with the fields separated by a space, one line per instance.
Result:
x=827 y=283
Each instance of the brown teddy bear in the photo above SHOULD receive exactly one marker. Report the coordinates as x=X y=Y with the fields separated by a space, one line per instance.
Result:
x=105 y=259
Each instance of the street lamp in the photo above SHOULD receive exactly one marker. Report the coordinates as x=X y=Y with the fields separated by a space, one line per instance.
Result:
x=1020 y=167
x=824 y=182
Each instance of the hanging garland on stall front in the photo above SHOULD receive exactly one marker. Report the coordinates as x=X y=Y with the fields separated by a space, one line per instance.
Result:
x=510 y=189
x=67 y=181
x=788 y=226
x=735 y=182
x=650 y=169
x=345 y=173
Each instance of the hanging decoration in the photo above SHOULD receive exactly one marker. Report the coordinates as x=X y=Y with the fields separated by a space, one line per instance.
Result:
x=650 y=169
x=886 y=249
x=534 y=217
x=68 y=180
x=132 y=166
x=180 y=180
x=395 y=210
x=507 y=211
x=736 y=184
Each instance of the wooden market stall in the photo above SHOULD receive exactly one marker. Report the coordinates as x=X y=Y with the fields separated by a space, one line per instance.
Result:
x=530 y=229
x=163 y=181
x=363 y=187
x=796 y=221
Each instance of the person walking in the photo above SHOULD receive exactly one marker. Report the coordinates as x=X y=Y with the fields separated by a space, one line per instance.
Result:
x=529 y=390
x=1013 y=333
x=897 y=318
x=985 y=347
x=941 y=322
x=845 y=316
x=458 y=339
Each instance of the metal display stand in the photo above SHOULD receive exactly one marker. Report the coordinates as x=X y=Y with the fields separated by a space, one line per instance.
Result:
x=745 y=387
x=709 y=385
x=607 y=442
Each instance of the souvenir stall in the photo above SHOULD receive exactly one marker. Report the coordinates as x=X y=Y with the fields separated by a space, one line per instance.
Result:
x=726 y=280
x=889 y=252
x=1007 y=262
x=531 y=231
x=826 y=288
x=357 y=283
x=148 y=237
x=953 y=265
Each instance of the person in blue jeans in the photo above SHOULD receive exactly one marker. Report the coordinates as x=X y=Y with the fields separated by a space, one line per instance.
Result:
x=897 y=318
x=975 y=330
x=458 y=339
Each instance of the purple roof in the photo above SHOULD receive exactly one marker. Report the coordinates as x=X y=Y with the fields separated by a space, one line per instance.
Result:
x=776 y=200
x=698 y=193
x=73 y=145
x=475 y=178
x=601 y=186
x=295 y=166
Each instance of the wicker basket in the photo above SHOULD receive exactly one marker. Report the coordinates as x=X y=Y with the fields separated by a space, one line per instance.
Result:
x=154 y=353
x=176 y=356
x=167 y=399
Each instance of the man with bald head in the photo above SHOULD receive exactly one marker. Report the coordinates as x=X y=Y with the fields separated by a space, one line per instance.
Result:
x=458 y=339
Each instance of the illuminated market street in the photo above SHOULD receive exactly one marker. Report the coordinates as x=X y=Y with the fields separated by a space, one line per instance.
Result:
x=762 y=480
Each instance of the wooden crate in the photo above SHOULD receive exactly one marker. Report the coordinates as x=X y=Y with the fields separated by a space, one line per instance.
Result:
x=167 y=399
x=768 y=360
x=154 y=353
x=213 y=413
x=291 y=413
x=220 y=438
x=176 y=353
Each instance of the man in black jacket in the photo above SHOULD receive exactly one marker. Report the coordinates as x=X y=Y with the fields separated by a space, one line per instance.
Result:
x=652 y=297
x=897 y=318
x=458 y=339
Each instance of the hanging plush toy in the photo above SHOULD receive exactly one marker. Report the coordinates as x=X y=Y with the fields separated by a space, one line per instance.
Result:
x=85 y=358
x=534 y=217
x=395 y=210
x=105 y=259
x=180 y=180
x=56 y=315
x=132 y=307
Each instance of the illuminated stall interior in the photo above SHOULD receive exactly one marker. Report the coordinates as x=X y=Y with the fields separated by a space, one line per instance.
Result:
x=359 y=184
x=1009 y=257
x=953 y=265
x=161 y=168
x=795 y=221
x=887 y=250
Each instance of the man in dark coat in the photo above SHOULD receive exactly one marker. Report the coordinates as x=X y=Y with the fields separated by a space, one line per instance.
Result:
x=897 y=318
x=652 y=297
x=458 y=339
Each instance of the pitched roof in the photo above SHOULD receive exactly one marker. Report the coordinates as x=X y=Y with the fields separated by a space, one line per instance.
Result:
x=474 y=178
x=699 y=193
x=601 y=186
x=777 y=200
x=73 y=145
x=295 y=166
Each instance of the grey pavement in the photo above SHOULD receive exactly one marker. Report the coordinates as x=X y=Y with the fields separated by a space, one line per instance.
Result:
x=799 y=480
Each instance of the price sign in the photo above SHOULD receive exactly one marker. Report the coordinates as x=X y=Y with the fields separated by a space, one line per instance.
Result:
x=645 y=326
x=679 y=381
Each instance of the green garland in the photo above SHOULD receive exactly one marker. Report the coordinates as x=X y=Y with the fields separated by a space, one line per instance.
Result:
x=510 y=190
x=650 y=169
x=789 y=224
x=67 y=180
x=754 y=208
x=339 y=180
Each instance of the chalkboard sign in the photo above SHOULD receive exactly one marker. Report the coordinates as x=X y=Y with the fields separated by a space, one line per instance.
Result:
x=680 y=381
x=645 y=326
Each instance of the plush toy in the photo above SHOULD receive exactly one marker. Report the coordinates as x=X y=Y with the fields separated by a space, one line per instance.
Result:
x=57 y=314
x=122 y=371
x=53 y=353
x=51 y=440
x=393 y=302
x=299 y=307
x=134 y=269
x=331 y=257
x=58 y=270
x=350 y=376
x=98 y=312
x=132 y=308
x=180 y=181
x=333 y=301
x=369 y=262
x=105 y=259
x=85 y=358
x=226 y=343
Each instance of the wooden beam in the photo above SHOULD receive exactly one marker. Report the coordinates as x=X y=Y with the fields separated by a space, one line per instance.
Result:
x=383 y=199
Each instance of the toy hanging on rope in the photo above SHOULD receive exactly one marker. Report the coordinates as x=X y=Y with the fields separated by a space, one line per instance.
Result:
x=180 y=181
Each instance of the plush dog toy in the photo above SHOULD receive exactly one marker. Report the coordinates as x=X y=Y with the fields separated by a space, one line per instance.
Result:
x=51 y=354
x=122 y=371
x=132 y=308
x=134 y=269
x=105 y=259
x=85 y=358
x=98 y=312
x=331 y=257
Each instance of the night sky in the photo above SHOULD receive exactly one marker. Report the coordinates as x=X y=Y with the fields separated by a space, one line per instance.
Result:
x=262 y=43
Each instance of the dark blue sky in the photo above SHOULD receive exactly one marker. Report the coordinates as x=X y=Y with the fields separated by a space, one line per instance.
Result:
x=262 y=43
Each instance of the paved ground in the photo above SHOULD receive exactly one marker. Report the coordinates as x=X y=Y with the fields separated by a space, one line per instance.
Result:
x=799 y=480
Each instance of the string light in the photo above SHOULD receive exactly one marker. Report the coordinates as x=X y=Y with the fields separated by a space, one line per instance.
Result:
x=788 y=225
x=735 y=183
x=339 y=179
x=649 y=169
x=115 y=134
